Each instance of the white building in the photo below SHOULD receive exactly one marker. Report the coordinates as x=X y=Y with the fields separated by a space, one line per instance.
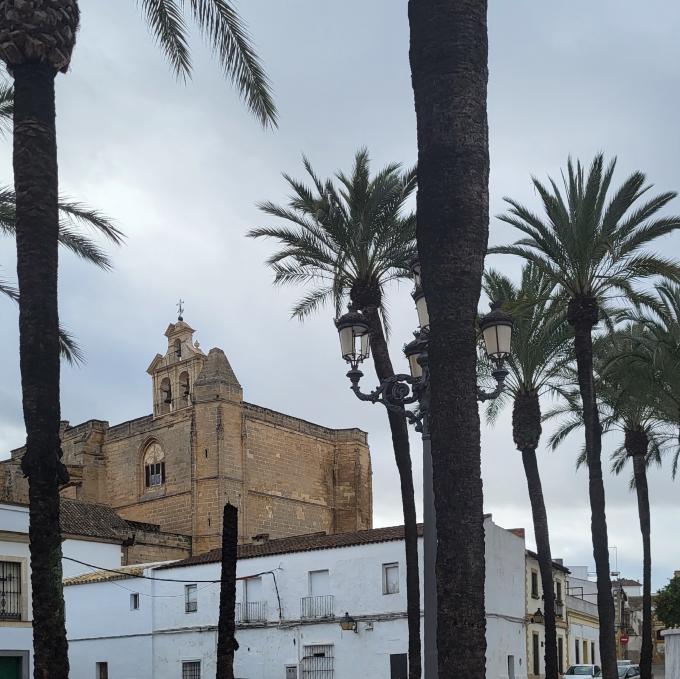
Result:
x=535 y=619
x=582 y=618
x=83 y=541
x=291 y=596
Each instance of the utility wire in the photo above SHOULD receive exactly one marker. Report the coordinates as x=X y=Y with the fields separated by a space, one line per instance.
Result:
x=150 y=577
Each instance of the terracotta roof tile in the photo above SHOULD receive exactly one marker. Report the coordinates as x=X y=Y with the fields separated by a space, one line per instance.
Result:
x=91 y=520
x=300 y=543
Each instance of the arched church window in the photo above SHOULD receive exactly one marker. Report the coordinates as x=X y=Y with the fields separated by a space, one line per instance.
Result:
x=184 y=390
x=154 y=466
x=178 y=348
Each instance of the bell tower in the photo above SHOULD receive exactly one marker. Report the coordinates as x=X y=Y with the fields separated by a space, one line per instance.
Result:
x=173 y=375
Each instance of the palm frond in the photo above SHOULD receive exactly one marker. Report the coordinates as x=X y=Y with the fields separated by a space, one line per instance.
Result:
x=6 y=106
x=69 y=349
x=168 y=26
x=225 y=31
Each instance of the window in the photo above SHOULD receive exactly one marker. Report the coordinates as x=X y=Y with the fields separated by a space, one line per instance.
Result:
x=190 y=599
x=319 y=603
x=10 y=590
x=154 y=466
x=558 y=591
x=134 y=601
x=585 y=652
x=577 y=648
x=511 y=667
x=592 y=652
x=291 y=672
x=398 y=666
x=317 y=662
x=178 y=348
x=535 y=654
x=534 y=584
x=560 y=655
x=390 y=578
x=102 y=670
x=191 y=669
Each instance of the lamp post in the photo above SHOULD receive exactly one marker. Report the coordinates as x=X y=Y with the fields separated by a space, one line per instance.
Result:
x=398 y=392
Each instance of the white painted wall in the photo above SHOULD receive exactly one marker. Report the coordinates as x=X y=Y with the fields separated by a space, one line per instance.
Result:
x=102 y=554
x=14 y=519
x=161 y=634
x=672 y=642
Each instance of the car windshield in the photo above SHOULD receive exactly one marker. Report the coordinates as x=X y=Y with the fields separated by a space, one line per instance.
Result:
x=581 y=670
x=623 y=670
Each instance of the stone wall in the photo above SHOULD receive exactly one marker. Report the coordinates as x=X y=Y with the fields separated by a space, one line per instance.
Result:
x=285 y=475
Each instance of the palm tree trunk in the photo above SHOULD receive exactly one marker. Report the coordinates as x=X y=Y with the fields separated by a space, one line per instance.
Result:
x=526 y=426
x=402 y=456
x=449 y=55
x=226 y=625
x=636 y=447
x=37 y=230
x=583 y=316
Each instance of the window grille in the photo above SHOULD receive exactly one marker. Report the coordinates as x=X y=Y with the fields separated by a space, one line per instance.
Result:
x=134 y=601
x=155 y=474
x=190 y=598
x=317 y=662
x=291 y=672
x=191 y=669
x=10 y=590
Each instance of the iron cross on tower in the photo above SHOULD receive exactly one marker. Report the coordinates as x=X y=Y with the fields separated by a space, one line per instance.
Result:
x=180 y=309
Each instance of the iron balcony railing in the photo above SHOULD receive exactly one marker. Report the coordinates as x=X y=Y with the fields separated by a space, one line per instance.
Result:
x=559 y=609
x=252 y=611
x=316 y=607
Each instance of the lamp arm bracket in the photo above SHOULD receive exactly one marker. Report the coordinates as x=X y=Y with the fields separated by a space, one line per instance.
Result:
x=499 y=375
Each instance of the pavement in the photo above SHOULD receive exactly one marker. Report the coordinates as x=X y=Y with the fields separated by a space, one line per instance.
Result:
x=658 y=672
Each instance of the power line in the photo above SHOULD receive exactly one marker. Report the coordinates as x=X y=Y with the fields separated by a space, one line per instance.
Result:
x=127 y=574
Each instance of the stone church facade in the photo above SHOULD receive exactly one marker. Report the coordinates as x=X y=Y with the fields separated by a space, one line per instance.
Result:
x=203 y=446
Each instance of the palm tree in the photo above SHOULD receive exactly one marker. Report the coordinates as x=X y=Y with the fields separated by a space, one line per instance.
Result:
x=592 y=250
x=349 y=241
x=540 y=337
x=37 y=38
x=630 y=403
x=72 y=216
x=449 y=72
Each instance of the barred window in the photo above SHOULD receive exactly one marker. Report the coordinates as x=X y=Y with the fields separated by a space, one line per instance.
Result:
x=10 y=590
x=191 y=669
x=317 y=662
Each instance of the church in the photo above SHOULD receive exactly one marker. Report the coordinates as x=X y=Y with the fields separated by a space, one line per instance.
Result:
x=203 y=446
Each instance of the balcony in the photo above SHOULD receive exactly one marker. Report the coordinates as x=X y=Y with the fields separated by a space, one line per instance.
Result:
x=559 y=609
x=316 y=607
x=252 y=611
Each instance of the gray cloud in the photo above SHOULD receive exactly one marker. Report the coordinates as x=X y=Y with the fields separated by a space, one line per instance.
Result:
x=181 y=168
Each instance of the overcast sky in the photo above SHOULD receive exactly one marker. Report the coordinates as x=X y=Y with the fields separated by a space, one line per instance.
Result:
x=181 y=168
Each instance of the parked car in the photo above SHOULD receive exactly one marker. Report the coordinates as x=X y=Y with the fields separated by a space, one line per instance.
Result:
x=624 y=662
x=583 y=671
x=629 y=671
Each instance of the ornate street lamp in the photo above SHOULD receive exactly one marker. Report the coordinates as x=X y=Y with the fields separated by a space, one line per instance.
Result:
x=348 y=623
x=399 y=391
x=353 y=330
